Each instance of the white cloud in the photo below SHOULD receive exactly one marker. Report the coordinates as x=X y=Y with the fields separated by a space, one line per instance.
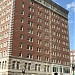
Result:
x=71 y=6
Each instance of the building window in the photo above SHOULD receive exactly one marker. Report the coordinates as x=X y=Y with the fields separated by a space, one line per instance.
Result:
x=25 y=66
x=22 y=20
x=46 y=43
x=20 y=54
x=39 y=67
x=29 y=66
x=21 y=36
x=39 y=57
x=30 y=39
x=46 y=51
x=22 y=12
x=39 y=6
x=46 y=29
x=36 y=67
x=66 y=70
x=21 y=45
x=46 y=16
x=29 y=47
x=31 y=8
x=46 y=59
x=21 y=28
x=31 y=16
x=61 y=69
x=47 y=68
x=55 y=69
x=31 y=2
x=39 y=20
x=30 y=23
x=38 y=49
x=39 y=42
x=39 y=27
x=30 y=31
x=13 y=64
x=5 y=64
x=39 y=34
x=29 y=56
x=18 y=65
x=40 y=13
x=23 y=4
x=0 y=65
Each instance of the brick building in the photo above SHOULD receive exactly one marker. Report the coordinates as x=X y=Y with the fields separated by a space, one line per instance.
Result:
x=33 y=36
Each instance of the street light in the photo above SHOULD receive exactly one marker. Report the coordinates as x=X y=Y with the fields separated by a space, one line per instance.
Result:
x=23 y=71
x=73 y=67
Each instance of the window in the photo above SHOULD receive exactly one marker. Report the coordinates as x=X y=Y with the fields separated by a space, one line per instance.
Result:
x=46 y=43
x=22 y=20
x=61 y=69
x=0 y=65
x=30 y=23
x=39 y=42
x=18 y=65
x=29 y=56
x=46 y=16
x=29 y=47
x=39 y=27
x=38 y=49
x=21 y=28
x=21 y=45
x=39 y=20
x=36 y=67
x=40 y=13
x=39 y=67
x=38 y=57
x=31 y=8
x=30 y=39
x=31 y=16
x=21 y=36
x=31 y=2
x=3 y=65
x=46 y=29
x=13 y=65
x=66 y=70
x=25 y=66
x=46 y=36
x=22 y=12
x=39 y=34
x=23 y=4
x=46 y=22
x=46 y=51
x=55 y=69
x=30 y=31
x=46 y=59
x=20 y=54
x=29 y=66
x=45 y=68
x=39 y=6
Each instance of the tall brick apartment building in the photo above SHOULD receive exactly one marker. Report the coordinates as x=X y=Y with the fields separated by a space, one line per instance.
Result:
x=33 y=36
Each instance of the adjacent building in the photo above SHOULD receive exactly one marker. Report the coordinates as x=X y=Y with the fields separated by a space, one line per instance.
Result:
x=33 y=36
x=72 y=58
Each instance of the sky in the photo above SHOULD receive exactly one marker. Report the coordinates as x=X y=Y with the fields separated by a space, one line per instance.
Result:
x=70 y=6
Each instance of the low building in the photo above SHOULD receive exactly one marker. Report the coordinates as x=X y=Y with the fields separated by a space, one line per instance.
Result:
x=72 y=56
